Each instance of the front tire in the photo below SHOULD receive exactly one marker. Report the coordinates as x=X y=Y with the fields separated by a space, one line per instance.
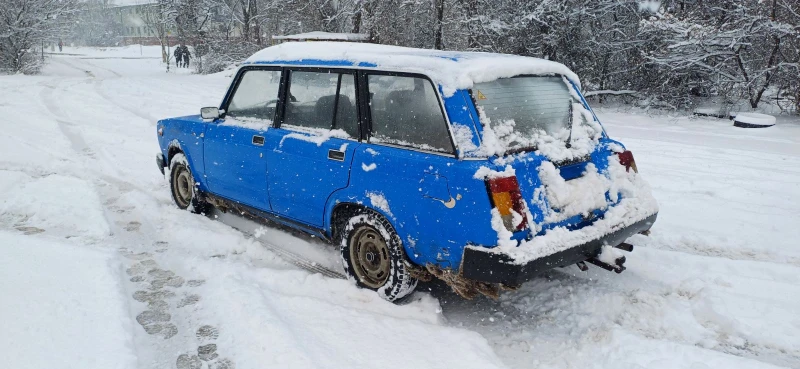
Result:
x=373 y=256
x=182 y=186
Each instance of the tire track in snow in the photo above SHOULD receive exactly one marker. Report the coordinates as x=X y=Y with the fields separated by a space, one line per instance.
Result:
x=578 y=308
x=67 y=128
x=98 y=86
x=156 y=287
x=700 y=248
x=285 y=254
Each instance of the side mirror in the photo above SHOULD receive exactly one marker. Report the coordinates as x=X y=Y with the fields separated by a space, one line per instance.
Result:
x=211 y=112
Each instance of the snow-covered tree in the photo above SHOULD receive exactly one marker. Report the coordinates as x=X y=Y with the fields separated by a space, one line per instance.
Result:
x=29 y=24
x=735 y=49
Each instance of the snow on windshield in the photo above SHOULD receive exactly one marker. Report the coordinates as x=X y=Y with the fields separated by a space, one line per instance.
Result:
x=535 y=113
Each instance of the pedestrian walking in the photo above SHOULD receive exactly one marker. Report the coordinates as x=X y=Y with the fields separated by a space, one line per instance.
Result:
x=178 y=56
x=60 y=45
x=186 y=55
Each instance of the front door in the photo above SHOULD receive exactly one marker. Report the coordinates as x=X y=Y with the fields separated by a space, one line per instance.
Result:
x=309 y=155
x=235 y=162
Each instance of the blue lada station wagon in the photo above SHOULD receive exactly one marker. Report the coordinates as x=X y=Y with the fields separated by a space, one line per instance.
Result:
x=483 y=170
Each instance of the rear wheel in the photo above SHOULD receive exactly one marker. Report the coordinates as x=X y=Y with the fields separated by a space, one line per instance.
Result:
x=373 y=256
x=182 y=185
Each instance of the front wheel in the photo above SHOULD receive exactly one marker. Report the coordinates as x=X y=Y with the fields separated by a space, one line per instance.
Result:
x=373 y=256
x=182 y=185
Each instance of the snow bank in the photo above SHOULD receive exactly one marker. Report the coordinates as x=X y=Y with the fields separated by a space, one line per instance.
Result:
x=451 y=69
x=62 y=307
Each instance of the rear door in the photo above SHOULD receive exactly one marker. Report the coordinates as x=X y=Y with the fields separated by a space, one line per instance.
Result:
x=406 y=167
x=236 y=166
x=310 y=153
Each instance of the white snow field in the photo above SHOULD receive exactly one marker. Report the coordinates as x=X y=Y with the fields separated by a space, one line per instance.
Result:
x=98 y=268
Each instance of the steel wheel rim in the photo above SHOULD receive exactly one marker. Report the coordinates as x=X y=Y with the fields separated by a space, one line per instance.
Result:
x=370 y=257
x=183 y=187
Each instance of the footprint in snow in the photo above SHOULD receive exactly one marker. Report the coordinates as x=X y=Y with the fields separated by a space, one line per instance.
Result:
x=207 y=332
x=195 y=282
x=152 y=316
x=140 y=267
x=29 y=230
x=188 y=362
x=133 y=226
x=166 y=331
x=188 y=300
x=145 y=296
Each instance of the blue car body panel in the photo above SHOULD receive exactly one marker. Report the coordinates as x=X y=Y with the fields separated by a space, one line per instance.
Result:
x=433 y=200
x=235 y=168
x=185 y=134
x=301 y=176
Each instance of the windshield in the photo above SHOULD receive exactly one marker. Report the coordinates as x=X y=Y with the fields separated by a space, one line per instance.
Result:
x=523 y=110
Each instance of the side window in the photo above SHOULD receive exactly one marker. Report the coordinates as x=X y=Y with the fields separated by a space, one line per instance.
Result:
x=405 y=111
x=322 y=100
x=256 y=97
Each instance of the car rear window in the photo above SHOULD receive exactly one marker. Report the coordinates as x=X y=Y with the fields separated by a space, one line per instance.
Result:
x=528 y=107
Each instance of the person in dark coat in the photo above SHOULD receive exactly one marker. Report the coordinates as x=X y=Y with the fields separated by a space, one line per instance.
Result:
x=178 y=56
x=186 y=55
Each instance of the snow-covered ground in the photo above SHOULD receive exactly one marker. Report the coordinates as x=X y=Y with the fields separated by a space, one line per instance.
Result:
x=98 y=269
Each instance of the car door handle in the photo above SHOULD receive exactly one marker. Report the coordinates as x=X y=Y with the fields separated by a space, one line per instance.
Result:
x=258 y=140
x=336 y=155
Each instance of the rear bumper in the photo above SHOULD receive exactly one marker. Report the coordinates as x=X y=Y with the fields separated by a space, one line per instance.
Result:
x=485 y=266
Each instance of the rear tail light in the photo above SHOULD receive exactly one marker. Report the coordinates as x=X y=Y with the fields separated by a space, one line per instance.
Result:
x=507 y=198
x=626 y=159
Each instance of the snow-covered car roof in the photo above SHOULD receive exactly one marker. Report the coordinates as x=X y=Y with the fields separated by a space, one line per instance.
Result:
x=453 y=70
x=324 y=36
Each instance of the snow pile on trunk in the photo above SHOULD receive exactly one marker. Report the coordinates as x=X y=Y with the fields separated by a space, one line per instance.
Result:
x=635 y=204
x=570 y=198
x=452 y=70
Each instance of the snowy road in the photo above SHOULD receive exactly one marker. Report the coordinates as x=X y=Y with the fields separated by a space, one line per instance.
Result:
x=717 y=284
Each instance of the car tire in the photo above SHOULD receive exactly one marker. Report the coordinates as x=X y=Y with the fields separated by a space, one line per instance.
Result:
x=183 y=187
x=373 y=256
